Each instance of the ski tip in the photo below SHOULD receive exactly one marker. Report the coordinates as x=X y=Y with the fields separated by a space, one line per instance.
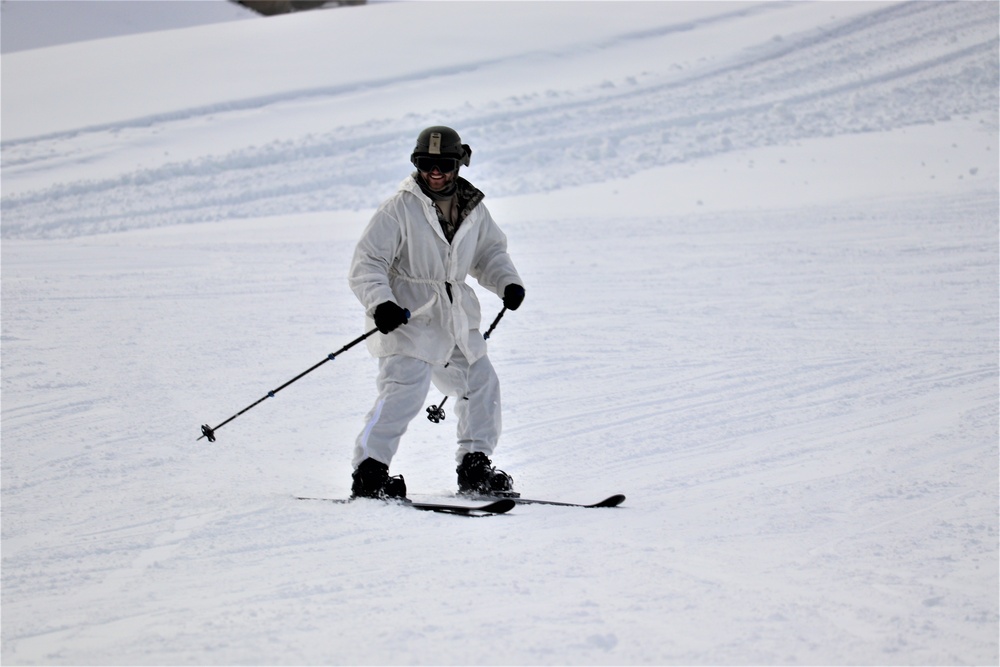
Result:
x=497 y=507
x=613 y=501
x=501 y=506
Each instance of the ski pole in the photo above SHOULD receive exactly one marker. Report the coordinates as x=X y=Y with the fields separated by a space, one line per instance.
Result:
x=486 y=336
x=209 y=432
x=435 y=413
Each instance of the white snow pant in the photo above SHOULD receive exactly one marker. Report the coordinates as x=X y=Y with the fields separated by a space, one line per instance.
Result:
x=402 y=388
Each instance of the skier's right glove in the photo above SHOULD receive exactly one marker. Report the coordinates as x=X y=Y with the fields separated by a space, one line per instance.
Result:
x=388 y=316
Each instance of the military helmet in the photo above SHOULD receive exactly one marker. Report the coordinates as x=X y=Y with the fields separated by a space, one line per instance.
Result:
x=441 y=141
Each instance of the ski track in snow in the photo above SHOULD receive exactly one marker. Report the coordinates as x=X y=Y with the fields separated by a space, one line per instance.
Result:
x=799 y=403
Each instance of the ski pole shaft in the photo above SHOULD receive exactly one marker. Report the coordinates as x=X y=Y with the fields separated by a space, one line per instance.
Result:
x=496 y=321
x=209 y=432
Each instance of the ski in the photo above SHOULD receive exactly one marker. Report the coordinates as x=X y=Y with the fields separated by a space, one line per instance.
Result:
x=494 y=507
x=501 y=506
x=610 y=501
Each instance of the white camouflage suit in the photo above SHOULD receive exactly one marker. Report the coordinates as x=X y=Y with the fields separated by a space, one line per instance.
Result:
x=405 y=257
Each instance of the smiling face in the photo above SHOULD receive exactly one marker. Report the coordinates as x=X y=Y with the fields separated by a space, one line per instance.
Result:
x=437 y=181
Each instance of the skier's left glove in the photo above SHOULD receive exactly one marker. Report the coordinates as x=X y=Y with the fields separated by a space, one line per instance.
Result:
x=513 y=295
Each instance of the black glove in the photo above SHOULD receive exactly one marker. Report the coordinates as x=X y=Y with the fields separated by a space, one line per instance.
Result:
x=513 y=295
x=388 y=316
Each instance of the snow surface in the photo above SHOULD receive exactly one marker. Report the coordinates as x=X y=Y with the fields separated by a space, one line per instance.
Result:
x=34 y=24
x=760 y=246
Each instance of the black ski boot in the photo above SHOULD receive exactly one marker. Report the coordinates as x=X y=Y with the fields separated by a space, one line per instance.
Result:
x=371 y=480
x=478 y=477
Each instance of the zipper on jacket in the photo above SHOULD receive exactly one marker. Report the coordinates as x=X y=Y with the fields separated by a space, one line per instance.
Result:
x=447 y=287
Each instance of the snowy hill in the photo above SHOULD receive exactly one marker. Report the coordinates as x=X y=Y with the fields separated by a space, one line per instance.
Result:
x=35 y=24
x=760 y=246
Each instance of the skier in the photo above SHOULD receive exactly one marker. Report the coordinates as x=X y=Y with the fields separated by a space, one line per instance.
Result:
x=409 y=272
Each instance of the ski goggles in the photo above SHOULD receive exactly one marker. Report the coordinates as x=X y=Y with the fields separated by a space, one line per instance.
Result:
x=427 y=163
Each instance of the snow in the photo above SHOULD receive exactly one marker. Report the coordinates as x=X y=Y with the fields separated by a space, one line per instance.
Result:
x=760 y=247
x=34 y=24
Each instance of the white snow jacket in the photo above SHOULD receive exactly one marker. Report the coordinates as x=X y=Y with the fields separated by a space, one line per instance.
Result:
x=404 y=256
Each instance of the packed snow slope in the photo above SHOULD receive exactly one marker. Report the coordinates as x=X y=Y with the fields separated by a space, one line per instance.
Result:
x=760 y=247
x=31 y=24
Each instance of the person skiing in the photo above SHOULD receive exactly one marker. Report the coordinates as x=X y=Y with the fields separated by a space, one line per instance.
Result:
x=409 y=272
